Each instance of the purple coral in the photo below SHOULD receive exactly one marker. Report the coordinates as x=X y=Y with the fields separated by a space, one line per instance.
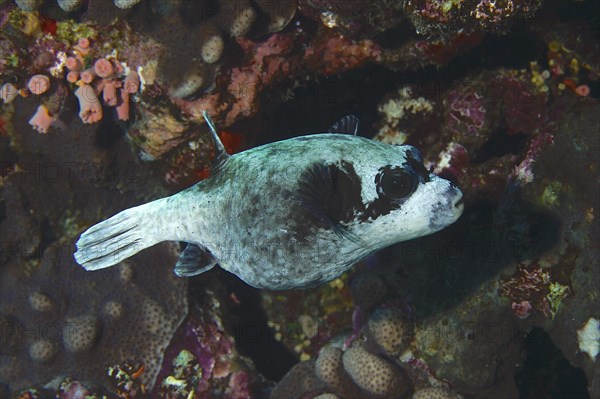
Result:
x=239 y=386
x=522 y=309
x=528 y=290
x=445 y=17
x=73 y=390
x=199 y=362
x=466 y=112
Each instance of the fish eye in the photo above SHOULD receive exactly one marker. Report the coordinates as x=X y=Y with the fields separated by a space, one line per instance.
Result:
x=395 y=182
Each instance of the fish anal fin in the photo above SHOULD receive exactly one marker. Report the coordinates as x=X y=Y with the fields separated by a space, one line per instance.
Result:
x=346 y=125
x=193 y=261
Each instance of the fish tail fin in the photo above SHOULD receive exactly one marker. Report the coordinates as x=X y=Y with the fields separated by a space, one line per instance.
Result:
x=116 y=239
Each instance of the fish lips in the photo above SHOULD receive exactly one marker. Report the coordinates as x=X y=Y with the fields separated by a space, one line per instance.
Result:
x=448 y=209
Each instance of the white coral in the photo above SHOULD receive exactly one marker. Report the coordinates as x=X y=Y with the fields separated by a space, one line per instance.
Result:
x=588 y=338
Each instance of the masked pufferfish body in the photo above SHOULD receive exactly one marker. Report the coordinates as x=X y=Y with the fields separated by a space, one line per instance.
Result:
x=291 y=214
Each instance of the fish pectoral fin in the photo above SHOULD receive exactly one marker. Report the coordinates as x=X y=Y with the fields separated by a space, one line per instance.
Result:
x=329 y=194
x=344 y=232
x=347 y=125
x=193 y=261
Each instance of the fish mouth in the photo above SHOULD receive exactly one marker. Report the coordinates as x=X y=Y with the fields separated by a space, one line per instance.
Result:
x=459 y=204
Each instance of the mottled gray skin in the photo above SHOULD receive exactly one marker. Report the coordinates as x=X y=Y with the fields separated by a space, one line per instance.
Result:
x=250 y=219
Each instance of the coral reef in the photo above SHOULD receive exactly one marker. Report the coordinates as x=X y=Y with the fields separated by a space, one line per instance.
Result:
x=374 y=362
x=57 y=320
x=441 y=17
x=107 y=78
x=202 y=360
x=387 y=327
x=355 y=19
x=367 y=290
x=70 y=332
x=377 y=377
x=588 y=337
x=500 y=96
x=499 y=134
x=330 y=369
x=304 y=334
x=532 y=288
x=298 y=382
x=182 y=77
x=69 y=5
x=434 y=393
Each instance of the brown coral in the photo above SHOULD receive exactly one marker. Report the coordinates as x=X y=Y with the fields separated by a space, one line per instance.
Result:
x=101 y=319
x=330 y=370
x=390 y=329
x=299 y=380
x=435 y=393
x=375 y=375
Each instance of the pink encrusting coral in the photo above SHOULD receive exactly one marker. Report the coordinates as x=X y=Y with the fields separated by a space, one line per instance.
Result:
x=104 y=68
x=123 y=106
x=88 y=75
x=73 y=64
x=41 y=120
x=132 y=82
x=130 y=86
x=109 y=91
x=83 y=46
x=105 y=78
x=90 y=109
x=582 y=90
x=39 y=84
x=271 y=62
x=95 y=77
x=8 y=92
x=73 y=76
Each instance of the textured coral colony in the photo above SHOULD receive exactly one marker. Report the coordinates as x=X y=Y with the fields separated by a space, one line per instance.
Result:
x=102 y=109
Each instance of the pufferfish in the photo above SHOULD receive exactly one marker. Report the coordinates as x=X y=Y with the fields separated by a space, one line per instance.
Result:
x=295 y=213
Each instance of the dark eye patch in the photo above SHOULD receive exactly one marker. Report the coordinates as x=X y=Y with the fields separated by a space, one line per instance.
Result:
x=330 y=195
x=417 y=166
x=395 y=183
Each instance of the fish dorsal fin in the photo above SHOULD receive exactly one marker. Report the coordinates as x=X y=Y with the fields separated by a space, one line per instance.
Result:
x=221 y=155
x=194 y=260
x=347 y=125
